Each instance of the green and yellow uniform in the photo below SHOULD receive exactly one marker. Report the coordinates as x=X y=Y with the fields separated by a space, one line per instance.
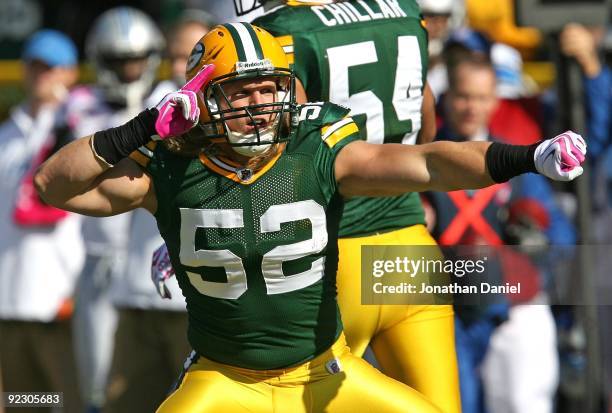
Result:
x=257 y=262
x=371 y=55
x=372 y=59
x=255 y=255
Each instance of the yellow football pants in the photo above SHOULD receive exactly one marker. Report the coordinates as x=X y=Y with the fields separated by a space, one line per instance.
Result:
x=414 y=344
x=333 y=382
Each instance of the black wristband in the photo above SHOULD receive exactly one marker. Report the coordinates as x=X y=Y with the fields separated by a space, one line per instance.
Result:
x=114 y=144
x=507 y=161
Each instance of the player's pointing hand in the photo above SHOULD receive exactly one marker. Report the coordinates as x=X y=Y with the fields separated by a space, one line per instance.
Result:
x=174 y=122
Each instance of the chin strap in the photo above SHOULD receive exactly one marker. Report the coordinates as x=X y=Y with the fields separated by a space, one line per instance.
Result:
x=266 y=136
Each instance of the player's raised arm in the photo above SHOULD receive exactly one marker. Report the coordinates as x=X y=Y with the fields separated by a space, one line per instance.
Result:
x=92 y=175
x=364 y=169
x=76 y=180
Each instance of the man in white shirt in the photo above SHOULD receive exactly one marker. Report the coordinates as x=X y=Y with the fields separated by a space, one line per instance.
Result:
x=124 y=47
x=41 y=250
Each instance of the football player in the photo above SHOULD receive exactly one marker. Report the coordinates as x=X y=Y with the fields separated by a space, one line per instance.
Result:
x=246 y=187
x=372 y=56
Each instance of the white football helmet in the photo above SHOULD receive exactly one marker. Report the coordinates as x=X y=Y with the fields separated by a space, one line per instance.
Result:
x=120 y=34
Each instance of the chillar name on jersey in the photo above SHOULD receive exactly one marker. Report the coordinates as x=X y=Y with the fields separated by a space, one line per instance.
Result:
x=359 y=11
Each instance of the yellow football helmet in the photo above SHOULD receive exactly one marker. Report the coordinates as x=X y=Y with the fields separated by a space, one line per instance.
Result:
x=239 y=51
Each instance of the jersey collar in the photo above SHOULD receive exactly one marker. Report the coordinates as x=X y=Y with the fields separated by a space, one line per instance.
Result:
x=231 y=170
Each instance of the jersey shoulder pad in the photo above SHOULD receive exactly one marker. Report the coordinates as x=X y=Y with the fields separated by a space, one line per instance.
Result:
x=335 y=132
x=328 y=121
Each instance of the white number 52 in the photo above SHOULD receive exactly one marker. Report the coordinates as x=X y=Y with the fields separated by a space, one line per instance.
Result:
x=272 y=263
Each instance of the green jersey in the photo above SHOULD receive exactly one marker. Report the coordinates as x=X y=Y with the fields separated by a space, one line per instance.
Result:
x=369 y=55
x=255 y=253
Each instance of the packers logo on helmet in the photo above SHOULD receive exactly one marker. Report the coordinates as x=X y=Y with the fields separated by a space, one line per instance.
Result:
x=195 y=56
x=242 y=51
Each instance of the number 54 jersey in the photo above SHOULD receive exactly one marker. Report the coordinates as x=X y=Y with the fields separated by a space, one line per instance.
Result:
x=255 y=253
x=371 y=56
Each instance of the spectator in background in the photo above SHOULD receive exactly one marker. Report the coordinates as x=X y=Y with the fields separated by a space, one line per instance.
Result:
x=190 y=28
x=150 y=342
x=437 y=15
x=520 y=364
x=124 y=46
x=461 y=43
x=41 y=250
x=588 y=46
x=519 y=116
x=585 y=46
x=185 y=33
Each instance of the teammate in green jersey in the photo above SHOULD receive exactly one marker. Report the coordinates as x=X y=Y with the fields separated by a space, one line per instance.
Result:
x=248 y=202
x=372 y=57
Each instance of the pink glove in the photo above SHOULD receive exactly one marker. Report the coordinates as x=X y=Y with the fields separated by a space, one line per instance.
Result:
x=161 y=270
x=179 y=111
x=560 y=158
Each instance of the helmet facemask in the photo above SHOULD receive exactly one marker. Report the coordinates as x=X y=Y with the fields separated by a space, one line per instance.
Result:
x=269 y=122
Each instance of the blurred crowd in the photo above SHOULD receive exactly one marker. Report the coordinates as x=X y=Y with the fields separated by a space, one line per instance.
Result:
x=79 y=314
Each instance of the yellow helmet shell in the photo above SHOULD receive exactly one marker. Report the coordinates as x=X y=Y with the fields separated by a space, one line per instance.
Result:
x=234 y=48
